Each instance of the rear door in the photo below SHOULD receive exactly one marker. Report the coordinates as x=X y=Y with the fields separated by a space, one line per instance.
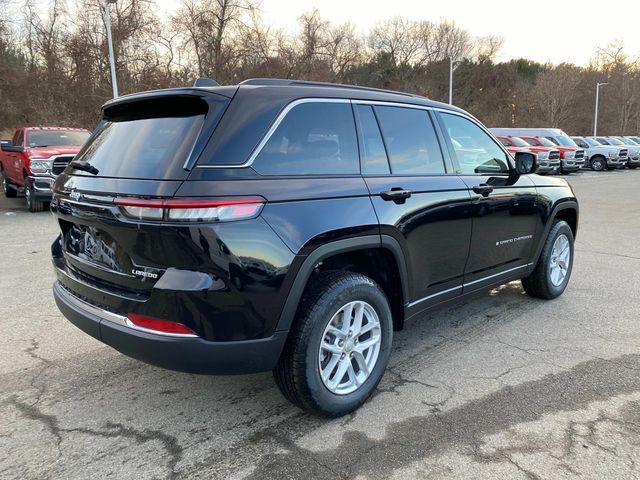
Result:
x=504 y=212
x=416 y=198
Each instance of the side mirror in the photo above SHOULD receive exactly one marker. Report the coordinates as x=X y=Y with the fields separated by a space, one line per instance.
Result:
x=7 y=147
x=526 y=162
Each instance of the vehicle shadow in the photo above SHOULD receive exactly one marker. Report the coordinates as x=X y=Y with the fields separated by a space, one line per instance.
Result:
x=104 y=394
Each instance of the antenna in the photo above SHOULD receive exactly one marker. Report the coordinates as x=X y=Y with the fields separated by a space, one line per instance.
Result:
x=205 y=82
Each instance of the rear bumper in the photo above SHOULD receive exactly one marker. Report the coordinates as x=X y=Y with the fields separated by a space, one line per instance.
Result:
x=184 y=354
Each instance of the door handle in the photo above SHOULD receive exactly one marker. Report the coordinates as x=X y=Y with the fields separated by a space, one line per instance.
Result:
x=396 y=194
x=483 y=189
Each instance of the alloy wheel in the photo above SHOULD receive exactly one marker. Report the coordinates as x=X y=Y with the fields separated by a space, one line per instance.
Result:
x=349 y=347
x=560 y=260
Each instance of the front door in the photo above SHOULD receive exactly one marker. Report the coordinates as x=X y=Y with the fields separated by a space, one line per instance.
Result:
x=417 y=199
x=504 y=210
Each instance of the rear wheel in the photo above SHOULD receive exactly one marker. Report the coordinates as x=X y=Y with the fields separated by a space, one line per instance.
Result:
x=553 y=270
x=339 y=346
x=10 y=191
x=598 y=164
x=32 y=202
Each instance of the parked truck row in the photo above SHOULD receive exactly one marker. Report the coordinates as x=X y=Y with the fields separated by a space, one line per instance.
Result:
x=560 y=153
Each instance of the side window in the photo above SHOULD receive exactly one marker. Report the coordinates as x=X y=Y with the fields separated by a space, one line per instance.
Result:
x=313 y=139
x=581 y=143
x=411 y=141
x=552 y=139
x=18 y=139
x=372 y=151
x=475 y=150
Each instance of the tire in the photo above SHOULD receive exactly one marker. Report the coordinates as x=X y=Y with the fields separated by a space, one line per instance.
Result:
x=298 y=372
x=33 y=204
x=8 y=188
x=598 y=164
x=541 y=283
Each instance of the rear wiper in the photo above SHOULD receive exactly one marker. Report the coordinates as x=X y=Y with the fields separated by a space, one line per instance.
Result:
x=84 y=166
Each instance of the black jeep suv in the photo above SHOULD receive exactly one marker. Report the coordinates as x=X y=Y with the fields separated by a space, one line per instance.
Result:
x=293 y=226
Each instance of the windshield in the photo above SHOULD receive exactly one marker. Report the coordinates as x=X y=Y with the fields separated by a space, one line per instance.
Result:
x=614 y=141
x=593 y=142
x=580 y=142
x=56 y=138
x=539 y=140
x=150 y=139
x=518 y=142
x=627 y=141
x=635 y=140
x=566 y=141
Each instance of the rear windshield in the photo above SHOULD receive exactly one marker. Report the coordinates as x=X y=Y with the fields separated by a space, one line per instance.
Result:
x=56 y=138
x=150 y=139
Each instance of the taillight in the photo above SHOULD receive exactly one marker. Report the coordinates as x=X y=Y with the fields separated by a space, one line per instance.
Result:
x=156 y=325
x=177 y=210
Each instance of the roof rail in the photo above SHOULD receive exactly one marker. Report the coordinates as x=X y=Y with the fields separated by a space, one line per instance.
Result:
x=205 y=82
x=284 y=82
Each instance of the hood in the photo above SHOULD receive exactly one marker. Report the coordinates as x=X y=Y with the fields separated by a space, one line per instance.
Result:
x=46 y=152
x=537 y=148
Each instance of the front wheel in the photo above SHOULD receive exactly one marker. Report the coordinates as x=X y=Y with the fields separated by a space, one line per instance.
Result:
x=553 y=270
x=339 y=346
x=598 y=164
x=32 y=202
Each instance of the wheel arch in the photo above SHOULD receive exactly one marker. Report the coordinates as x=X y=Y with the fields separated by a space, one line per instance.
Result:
x=342 y=249
x=567 y=210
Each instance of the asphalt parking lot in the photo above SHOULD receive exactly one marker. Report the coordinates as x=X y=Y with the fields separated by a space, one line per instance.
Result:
x=504 y=386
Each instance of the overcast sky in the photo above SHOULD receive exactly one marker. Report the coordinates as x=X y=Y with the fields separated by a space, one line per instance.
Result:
x=543 y=30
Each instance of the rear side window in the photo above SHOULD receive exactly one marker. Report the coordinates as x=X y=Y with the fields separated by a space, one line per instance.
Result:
x=411 y=141
x=315 y=138
x=372 y=151
x=150 y=139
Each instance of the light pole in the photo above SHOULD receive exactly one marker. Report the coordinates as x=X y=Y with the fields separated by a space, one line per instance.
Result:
x=595 y=118
x=452 y=62
x=112 y=60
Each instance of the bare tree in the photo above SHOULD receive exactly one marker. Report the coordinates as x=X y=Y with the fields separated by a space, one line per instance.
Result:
x=554 y=93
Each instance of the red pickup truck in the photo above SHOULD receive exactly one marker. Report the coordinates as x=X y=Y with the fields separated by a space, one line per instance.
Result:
x=31 y=160
x=548 y=157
